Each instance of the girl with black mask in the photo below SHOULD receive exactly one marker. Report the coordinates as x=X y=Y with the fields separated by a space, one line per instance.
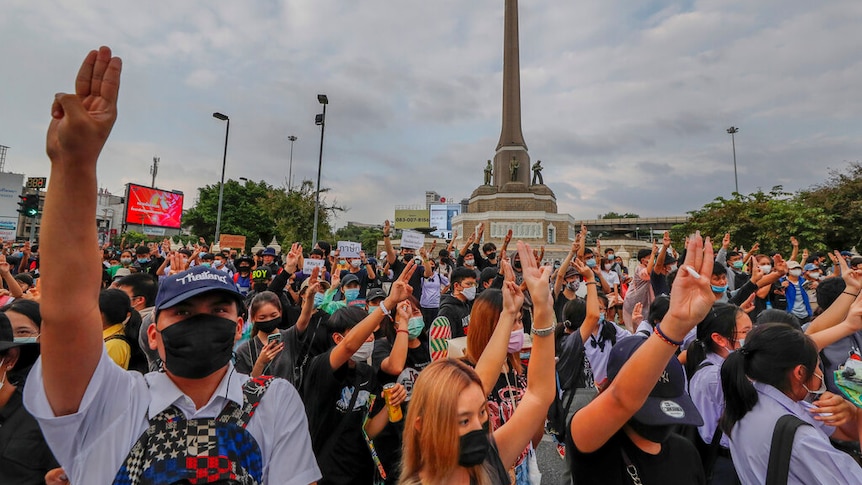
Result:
x=269 y=351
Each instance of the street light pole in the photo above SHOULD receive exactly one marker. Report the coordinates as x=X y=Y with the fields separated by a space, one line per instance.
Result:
x=733 y=131
x=292 y=139
x=319 y=120
x=222 y=117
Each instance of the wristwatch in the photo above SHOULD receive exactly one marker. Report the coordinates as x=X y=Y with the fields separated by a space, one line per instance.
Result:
x=543 y=332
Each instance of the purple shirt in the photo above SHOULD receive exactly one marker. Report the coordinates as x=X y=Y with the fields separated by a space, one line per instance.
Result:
x=431 y=290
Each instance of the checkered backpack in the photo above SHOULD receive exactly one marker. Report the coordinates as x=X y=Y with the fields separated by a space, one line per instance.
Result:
x=214 y=451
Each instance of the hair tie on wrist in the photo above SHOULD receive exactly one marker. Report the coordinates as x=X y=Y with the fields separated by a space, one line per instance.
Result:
x=665 y=338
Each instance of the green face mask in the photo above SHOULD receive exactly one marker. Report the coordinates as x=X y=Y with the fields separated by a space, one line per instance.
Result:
x=415 y=326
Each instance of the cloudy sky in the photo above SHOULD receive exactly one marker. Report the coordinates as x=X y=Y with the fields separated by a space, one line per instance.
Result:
x=626 y=103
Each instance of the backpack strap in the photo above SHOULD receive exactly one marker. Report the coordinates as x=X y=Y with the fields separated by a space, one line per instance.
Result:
x=781 y=448
x=120 y=336
x=252 y=392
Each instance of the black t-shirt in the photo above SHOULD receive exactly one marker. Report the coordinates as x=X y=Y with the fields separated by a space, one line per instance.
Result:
x=327 y=395
x=572 y=369
x=388 y=442
x=364 y=280
x=24 y=455
x=415 y=281
x=677 y=463
x=560 y=303
x=659 y=284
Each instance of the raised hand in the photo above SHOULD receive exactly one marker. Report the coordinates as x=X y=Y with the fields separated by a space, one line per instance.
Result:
x=404 y=311
x=754 y=248
x=852 y=278
x=291 y=262
x=5 y=267
x=401 y=289
x=513 y=297
x=665 y=240
x=81 y=122
x=637 y=313
x=748 y=305
x=585 y=271
x=691 y=296
x=536 y=278
x=725 y=243
x=794 y=242
x=387 y=228
x=779 y=265
x=508 y=237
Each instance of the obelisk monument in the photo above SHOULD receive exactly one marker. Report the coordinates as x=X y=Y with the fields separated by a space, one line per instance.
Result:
x=511 y=145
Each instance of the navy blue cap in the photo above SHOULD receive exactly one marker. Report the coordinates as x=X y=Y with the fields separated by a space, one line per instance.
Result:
x=199 y=279
x=269 y=252
x=668 y=403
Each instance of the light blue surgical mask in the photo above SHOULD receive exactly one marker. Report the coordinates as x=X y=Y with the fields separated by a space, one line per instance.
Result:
x=591 y=263
x=371 y=309
x=602 y=316
x=351 y=294
x=318 y=300
x=719 y=289
x=415 y=326
x=737 y=264
x=143 y=260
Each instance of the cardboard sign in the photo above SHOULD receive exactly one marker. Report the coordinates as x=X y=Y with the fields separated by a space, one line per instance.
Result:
x=309 y=264
x=412 y=239
x=231 y=241
x=349 y=249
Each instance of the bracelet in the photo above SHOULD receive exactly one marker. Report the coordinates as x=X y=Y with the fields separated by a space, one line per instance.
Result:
x=665 y=338
x=386 y=236
x=590 y=283
x=543 y=332
x=383 y=309
x=854 y=295
x=402 y=330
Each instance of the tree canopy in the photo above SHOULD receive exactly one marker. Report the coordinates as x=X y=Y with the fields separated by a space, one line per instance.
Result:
x=258 y=210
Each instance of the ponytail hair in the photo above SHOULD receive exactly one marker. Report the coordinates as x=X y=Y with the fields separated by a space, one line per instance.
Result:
x=721 y=320
x=770 y=352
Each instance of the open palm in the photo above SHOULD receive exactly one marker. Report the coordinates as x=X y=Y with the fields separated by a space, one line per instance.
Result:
x=691 y=297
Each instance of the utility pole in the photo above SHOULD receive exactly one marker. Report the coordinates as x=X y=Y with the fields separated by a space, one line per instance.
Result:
x=154 y=170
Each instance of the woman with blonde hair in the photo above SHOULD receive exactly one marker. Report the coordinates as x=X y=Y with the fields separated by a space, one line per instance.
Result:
x=447 y=436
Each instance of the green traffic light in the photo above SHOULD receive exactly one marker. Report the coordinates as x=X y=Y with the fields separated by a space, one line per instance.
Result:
x=31 y=212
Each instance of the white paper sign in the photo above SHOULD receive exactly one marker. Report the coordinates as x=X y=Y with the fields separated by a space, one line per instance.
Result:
x=349 y=249
x=309 y=264
x=412 y=239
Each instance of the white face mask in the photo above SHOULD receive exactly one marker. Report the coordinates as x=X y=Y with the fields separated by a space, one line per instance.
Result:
x=796 y=272
x=364 y=352
x=814 y=275
x=356 y=263
x=819 y=392
x=469 y=293
x=766 y=268
x=608 y=266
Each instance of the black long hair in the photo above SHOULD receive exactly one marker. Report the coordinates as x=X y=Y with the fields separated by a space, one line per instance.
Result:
x=721 y=320
x=770 y=352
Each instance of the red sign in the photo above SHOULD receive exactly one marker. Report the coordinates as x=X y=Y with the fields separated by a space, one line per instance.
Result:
x=152 y=207
x=442 y=199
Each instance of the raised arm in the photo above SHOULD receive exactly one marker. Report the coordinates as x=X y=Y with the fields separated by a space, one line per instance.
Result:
x=591 y=320
x=493 y=357
x=531 y=412
x=71 y=336
x=559 y=281
x=795 y=253
x=356 y=337
x=838 y=309
x=394 y=363
x=691 y=298
x=6 y=273
x=387 y=243
x=851 y=324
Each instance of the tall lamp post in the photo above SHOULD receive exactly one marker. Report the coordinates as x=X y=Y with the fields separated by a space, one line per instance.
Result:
x=292 y=139
x=222 y=117
x=319 y=120
x=733 y=131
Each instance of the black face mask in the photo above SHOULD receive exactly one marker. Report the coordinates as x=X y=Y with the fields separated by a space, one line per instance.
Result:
x=244 y=269
x=199 y=345
x=473 y=447
x=517 y=265
x=269 y=325
x=492 y=255
x=656 y=434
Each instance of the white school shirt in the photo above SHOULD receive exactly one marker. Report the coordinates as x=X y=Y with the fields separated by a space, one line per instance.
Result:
x=92 y=444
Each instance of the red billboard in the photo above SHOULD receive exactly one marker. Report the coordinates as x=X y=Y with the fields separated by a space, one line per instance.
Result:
x=152 y=207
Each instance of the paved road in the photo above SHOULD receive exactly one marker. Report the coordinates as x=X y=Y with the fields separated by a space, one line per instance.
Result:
x=550 y=463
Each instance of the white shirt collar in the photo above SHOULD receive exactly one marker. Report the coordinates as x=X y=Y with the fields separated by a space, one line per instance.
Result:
x=164 y=393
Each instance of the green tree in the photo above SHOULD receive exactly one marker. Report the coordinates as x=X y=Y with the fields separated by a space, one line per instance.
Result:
x=368 y=236
x=769 y=218
x=616 y=215
x=243 y=211
x=293 y=214
x=841 y=197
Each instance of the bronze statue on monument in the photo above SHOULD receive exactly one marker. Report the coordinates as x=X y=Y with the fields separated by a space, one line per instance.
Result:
x=489 y=171
x=514 y=165
x=537 y=173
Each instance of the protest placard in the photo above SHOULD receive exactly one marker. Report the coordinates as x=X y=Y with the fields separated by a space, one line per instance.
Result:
x=412 y=239
x=309 y=264
x=349 y=249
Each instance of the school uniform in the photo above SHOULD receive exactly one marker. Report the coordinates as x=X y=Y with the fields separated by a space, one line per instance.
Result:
x=813 y=460
x=93 y=443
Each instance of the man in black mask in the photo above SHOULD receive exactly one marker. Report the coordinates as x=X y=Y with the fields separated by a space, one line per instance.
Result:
x=197 y=418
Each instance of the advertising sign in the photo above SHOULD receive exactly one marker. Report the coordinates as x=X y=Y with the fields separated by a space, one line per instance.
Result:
x=441 y=218
x=152 y=207
x=411 y=218
x=10 y=189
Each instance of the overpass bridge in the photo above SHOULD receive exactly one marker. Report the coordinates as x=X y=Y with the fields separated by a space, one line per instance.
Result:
x=638 y=227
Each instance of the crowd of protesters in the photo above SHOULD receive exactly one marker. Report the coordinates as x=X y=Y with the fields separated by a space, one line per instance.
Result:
x=157 y=365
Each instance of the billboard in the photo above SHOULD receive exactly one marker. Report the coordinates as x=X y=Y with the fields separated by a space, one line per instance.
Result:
x=10 y=189
x=152 y=207
x=441 y=218
x=411 y=218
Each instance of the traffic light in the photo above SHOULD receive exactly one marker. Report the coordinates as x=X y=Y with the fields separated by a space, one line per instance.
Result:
x=29 y=205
